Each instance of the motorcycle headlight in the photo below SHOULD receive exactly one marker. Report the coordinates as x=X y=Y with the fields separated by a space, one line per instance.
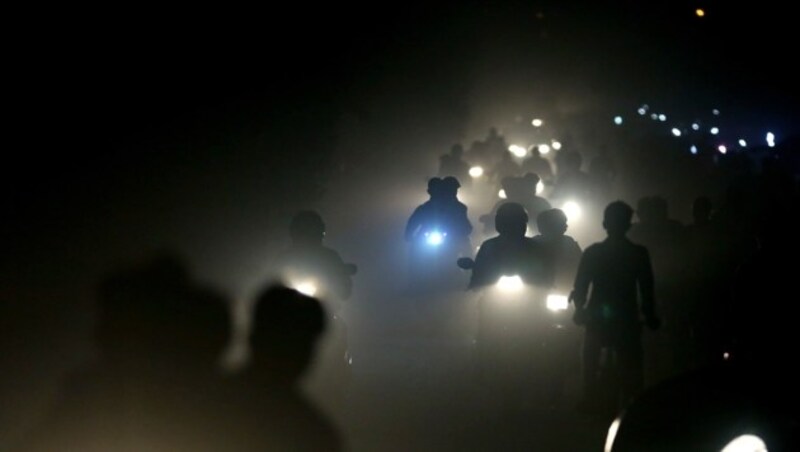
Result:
x=573 y=210
x=476 y=172
x=510 y=283
x=306 y=288
x=746 y=443
x=557 y=302
x=435 y=238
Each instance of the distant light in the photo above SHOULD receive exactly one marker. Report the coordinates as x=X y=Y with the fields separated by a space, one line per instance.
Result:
x=746 y=443
x=612 y=435
x=537 y=122
x=435 y=238
x=645 y=106
x=714 y=130
x=676 y=131
x=528 y=231
x=545 y=148
x=618 y=120
x=510 y=283
x=654 y=116
x=476 y=171
x=693 y=150
x=573 y=210
x=517 y=150
x=715 y=112
x=695 y=126
x=306 y=288
x=641 y=111
x=742 y=143
x=726 y=356
x=556 y=145
x=502 y=194
x=662 y=117
x=557 y=302
x=539 y=188
x=700 y=12
x=770 y=139
x=722 y=149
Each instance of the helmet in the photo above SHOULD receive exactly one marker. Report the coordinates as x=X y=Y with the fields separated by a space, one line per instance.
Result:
x=511 y=218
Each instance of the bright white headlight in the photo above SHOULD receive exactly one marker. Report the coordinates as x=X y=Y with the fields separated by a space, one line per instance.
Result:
x=557 y=302
x=510 y=283
x=476 y=171
x=306 y=288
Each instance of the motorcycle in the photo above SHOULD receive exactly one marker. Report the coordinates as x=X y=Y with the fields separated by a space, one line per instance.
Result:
x=524 y=338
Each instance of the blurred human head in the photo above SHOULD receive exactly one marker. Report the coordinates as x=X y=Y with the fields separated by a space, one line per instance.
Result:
x=307 y=227
x=552 y=222
x=511 y=220
x=617 y=218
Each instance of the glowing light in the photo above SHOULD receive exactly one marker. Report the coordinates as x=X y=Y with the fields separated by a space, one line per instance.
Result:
x=618 y=120
x=539 y=188
x=306 y=288
x=641 y=111
x=517 y=150
x=573 y=210
x=770 y=139
x=746 y=443
x=742 y=143
x=654 y=116
x=662 y=117
x=722 y=149
x=726 y=356
x=510 y=283
x=435 y=238
x=556 y=145
x=502 y=194
x=556 y=302
x=537 y=122
x=476 y=171
x=695 y=126
x=612 y=435
x=545 y=148
x=700 y=12
x=714 y=130
x=676 y=131
x=693 y=150
x=715 y=112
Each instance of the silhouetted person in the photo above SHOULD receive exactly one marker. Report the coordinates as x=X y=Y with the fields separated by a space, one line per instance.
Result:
x=510 y=253
x=571 y=181
x=539 y=165
x=317 y=270
x=309 y=261
x=521 y=190
x=621 y=281
x=156 y=384
x=443 y=213
x=562 y=251
x=274 y=415
x=505 y=167
x=453 y=164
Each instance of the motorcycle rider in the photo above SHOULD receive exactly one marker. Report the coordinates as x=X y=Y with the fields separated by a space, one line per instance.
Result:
x=510 y=252
x=562 y=251
x=440 y=224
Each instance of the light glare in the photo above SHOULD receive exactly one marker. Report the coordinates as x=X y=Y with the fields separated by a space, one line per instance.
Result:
x=556 y=302
x=476 y=171
x=502 y=194
x=662 y=117
x=556 y=145
x=746 y=443
x=742 y=143
x=573 y=210
x=510 y=283
x=618 y=120
x=435 y=238
x=770 y=139
x=693 y=149
x=714 y=130
x=545 y=148
x=722 y=149
x=695 y=126
x=537 y=122
x=676 y=131
x=612 y=435
x=517 y=150
x=306 y=288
